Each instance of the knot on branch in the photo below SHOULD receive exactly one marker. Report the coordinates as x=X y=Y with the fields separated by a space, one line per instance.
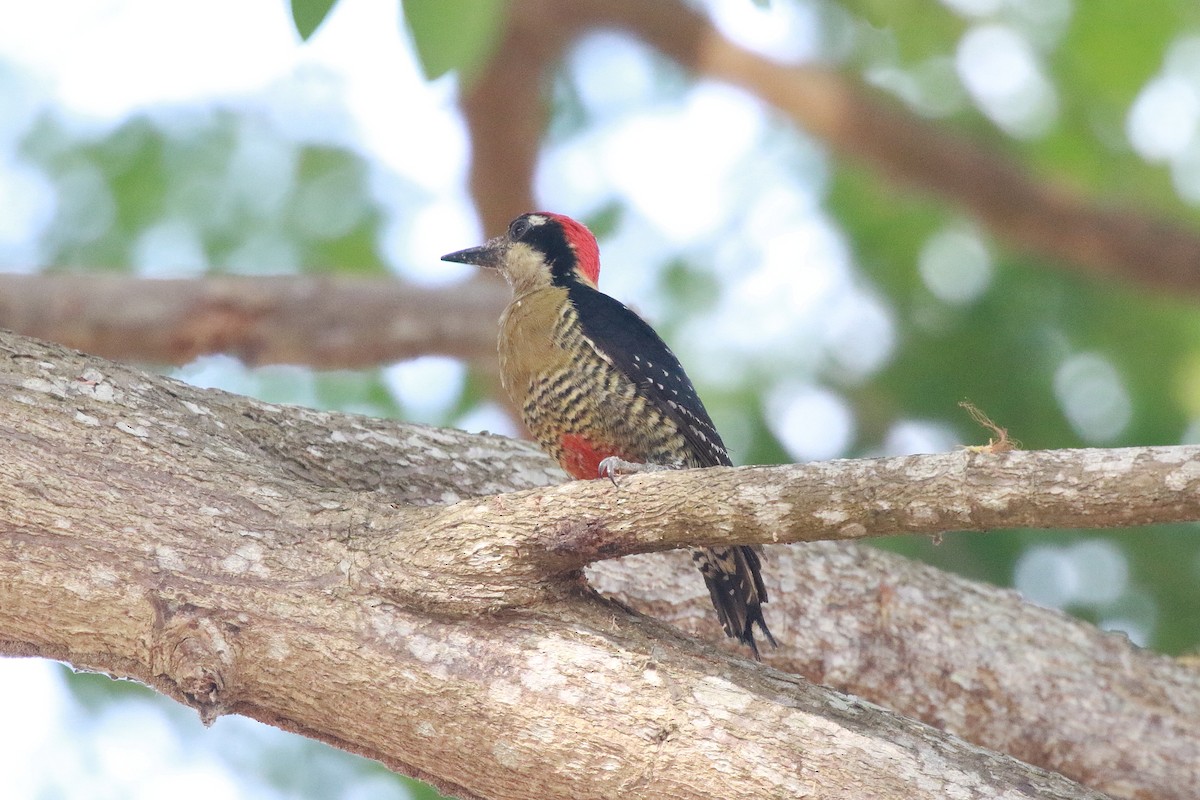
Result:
x=195 y=650
x=587 y=538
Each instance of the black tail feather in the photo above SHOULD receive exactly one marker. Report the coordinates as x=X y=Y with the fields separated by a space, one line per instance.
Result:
x=734 y=579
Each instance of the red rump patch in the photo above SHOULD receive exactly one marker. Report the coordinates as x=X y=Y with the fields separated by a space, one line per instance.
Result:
x=580 y=458
x=587 y=252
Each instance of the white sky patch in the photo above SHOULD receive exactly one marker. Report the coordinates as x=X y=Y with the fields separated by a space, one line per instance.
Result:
x=974 y=8
x=35 y=704
x=308 y=105
x=1162 y=121
x=206 y=780
x=136 y=751
x=355 y=83
x=411 y=126
x=813 y=423
x=570 y=177
x=612 y=73
x=217 y=372
x=1135 y=613
x=911 y=436
x=955 y=266
x=1185 y=173
x=1091 y=573
x=264 y=252
x=1106 y=569
x=1001 y=71
x=1046 y=576
x=261 y=172
x=1183 y=59
x=415 y=243
x=171 y=248
x=1137 y=632
x=859 y=333
x=28 y=203
x=614 y=77
x=774 y=297
x=659 y=157
x=132 y=741
x=1093 y=397
x=23 y=98
x=789 y=201
x=788 y=32
x=102 y=66
x=488 y=418
x=426 y=387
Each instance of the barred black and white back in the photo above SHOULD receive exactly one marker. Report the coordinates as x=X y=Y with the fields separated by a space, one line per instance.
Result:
x=733 y=575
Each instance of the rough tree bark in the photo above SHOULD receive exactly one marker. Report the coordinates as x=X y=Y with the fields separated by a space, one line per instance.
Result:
x=359 y=581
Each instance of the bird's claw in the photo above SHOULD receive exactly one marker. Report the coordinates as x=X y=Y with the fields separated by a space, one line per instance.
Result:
x=613 y=466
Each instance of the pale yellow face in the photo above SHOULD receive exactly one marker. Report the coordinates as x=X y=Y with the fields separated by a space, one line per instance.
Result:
x=525 y=269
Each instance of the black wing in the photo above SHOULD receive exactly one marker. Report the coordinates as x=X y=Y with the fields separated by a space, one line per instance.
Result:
x=733 y=574
x=644 y=358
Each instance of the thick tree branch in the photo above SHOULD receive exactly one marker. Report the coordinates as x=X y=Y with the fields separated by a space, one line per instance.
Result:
x=228 y=552
x=972 y=659
x=324 y=322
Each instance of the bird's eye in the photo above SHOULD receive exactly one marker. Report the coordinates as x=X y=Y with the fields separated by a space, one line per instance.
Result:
x=519 y=227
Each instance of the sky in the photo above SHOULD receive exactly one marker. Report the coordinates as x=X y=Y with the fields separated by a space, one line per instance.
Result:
x=681 y=167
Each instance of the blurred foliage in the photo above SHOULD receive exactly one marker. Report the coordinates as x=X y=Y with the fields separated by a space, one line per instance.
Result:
x=1002 y=351
x=454 y=35
x=202 y=184
x=223 y=190
x=308 y=15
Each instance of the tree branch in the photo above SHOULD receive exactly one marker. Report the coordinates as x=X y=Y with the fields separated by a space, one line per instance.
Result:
x=324 y=322
x=1039 y=216
x=972 y=659
x=232 y=554
x=577 y=523
x=506 y=111
x=302 y=320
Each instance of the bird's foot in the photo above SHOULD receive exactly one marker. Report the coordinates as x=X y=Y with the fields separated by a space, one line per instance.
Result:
x=613 y=466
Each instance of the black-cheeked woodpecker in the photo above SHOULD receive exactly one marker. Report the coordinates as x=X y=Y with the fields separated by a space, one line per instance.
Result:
x=593 y=381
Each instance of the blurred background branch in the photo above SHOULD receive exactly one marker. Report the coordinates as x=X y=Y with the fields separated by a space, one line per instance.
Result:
x=325 y=322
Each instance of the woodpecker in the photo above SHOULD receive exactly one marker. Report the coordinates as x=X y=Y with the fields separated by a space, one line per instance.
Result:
x=596 y=386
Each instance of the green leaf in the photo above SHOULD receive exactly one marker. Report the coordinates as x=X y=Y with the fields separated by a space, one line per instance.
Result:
x=454 y=34
x=307 y=15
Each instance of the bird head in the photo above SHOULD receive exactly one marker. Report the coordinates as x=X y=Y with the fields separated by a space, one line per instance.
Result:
x=539 y=249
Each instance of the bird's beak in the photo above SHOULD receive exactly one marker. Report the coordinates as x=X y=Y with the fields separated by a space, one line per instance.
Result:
x=488 y=254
